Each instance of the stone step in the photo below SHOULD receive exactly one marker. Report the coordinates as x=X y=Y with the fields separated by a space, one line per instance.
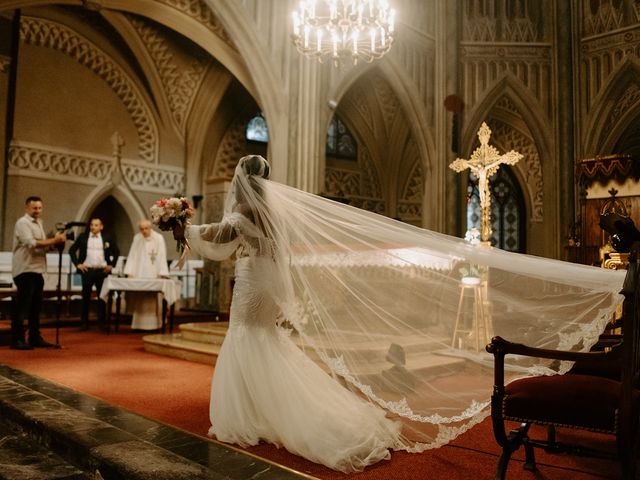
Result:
x=376 y=350
x=71 y=429
x=176 y=345
x=21 y=458
x=214 y=333
x=206 y=332
x=417 y=363
x=200 y=342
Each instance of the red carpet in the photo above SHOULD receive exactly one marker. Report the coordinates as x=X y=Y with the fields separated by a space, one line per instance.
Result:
x=116 y=369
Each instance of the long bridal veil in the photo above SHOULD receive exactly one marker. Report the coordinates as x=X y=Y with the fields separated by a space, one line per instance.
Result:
x=401 y=315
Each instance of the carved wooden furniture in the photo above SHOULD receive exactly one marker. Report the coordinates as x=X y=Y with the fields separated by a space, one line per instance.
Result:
x=602 y=396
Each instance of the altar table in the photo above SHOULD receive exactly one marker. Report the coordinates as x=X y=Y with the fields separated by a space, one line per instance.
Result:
x=170 y=289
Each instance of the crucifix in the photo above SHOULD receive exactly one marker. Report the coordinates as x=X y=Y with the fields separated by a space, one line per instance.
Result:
x=152 y=256
x=484 y=162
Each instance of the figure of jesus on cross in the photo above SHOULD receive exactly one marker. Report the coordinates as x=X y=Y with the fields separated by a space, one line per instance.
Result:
x=484 y=162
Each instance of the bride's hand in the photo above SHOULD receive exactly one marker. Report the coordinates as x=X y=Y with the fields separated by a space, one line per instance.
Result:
x=178 y=232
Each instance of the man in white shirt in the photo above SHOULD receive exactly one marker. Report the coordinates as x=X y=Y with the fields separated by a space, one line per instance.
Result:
x=94 y=255
x=147 y=259
x=28 y=263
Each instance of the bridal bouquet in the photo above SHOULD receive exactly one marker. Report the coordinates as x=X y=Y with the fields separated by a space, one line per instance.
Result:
x=170 y=213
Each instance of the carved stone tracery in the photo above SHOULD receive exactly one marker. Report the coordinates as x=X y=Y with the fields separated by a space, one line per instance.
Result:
x=414 y=187
x=508 y=138
x=362 y=105
x=520 y=30
x=342 y=183
x=142 y=177
x=480 y=29
x=504 y=21
x=370 y=182
x=505 y=103
x=603 y=57
x=506 y=38
x=180 y=84
x=410 y=198
x=416 y=54
x=26 y=159
x=387 y=99
x=200 y=11
x=629 y=99
x=361 y=187
x=483 y=66
x=45 y=33
x=409 y=211
x=232 y=147
x=607 y=17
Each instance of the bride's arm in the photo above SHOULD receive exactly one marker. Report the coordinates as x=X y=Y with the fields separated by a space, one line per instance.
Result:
x=217 y=232
x=216 y=241
x=213 y=232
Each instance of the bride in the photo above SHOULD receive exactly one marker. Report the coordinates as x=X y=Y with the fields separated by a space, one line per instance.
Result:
x=352 y=334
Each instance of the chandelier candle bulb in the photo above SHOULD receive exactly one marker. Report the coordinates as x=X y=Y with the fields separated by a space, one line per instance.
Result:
x=296 y=23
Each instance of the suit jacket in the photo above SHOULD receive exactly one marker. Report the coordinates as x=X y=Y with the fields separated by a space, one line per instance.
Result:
x=78 y=251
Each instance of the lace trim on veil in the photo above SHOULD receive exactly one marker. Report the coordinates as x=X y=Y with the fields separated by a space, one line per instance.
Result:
x=585 y=335
x=400 y=407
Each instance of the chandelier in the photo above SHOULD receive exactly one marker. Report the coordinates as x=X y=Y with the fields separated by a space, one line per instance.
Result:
x=343 y=29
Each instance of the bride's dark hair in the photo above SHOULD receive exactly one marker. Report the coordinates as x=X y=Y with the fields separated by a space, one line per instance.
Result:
x=255 y=165
x=250 y=195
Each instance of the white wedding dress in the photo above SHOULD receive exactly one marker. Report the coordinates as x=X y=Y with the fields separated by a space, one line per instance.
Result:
x=265 y=388
x=384 y=308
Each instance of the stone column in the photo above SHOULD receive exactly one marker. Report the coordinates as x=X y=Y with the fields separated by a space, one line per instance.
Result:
x=564 y=121
x=447 y=45
x=306 y=170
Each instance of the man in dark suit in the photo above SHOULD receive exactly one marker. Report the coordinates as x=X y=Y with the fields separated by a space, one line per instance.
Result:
x=94 y=255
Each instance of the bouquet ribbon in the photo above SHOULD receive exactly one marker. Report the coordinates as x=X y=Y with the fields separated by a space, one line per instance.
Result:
x=186 y=249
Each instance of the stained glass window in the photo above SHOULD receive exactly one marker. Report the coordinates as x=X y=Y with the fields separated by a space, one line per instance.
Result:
x=340 y=142
x=257 y=130
x=507 y=210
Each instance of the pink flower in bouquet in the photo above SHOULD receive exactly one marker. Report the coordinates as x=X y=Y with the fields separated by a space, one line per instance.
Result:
x=169 y=213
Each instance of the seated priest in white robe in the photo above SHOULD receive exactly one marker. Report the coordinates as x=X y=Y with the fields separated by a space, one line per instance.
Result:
x=147 y=259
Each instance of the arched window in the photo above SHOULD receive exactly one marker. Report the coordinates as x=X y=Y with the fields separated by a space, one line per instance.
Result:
x=257 y=130
x=340 y=142
x=507 y=210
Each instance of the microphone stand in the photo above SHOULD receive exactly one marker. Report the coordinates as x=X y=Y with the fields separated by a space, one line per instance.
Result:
x=62 y=227
x=60 y=248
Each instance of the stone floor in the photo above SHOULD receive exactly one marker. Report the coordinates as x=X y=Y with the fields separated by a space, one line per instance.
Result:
x=51 y=432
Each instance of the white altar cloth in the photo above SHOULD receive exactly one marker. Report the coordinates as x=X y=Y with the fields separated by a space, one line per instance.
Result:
x=170 y=288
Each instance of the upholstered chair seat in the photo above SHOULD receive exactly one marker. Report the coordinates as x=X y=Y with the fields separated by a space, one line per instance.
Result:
x=577 y=401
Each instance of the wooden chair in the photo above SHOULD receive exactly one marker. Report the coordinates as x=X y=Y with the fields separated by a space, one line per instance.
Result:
x=585 y=400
